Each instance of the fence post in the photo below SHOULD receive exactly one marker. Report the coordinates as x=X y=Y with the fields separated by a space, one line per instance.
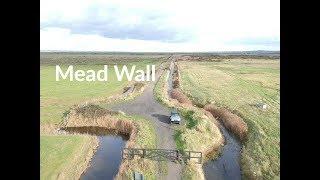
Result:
x=143 y=153
x=132 y=154
x=177 y=155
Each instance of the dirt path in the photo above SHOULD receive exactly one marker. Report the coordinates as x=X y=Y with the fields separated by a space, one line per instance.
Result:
x=146 y=105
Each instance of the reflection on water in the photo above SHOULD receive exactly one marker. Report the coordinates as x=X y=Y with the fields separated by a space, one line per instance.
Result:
x=106 y=161
x=225 y=167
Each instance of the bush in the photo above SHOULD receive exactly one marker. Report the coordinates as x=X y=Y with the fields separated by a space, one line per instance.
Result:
x=191 y=121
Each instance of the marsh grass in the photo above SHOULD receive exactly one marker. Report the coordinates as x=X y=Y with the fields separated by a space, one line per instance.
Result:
x=231 y=121
x=178 y=95
x=140 y=131
x=236 y=84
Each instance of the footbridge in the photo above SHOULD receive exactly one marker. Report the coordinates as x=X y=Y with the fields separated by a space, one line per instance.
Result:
x=162 y=155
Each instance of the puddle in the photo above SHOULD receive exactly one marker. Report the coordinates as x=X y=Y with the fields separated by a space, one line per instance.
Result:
x=107 y=159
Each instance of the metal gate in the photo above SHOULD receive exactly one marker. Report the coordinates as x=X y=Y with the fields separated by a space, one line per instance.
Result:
x=162 y=154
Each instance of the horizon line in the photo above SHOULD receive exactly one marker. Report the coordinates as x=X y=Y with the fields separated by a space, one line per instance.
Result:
x=161 y=51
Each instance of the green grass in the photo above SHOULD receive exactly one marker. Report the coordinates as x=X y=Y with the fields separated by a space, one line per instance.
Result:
x=180 y=143
x=147 y=134
x=239 y=85
x=58 y=152
x=57 y=96
x=191 y=121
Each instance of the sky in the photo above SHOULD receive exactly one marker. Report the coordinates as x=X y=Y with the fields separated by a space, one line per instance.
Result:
x=159 y=26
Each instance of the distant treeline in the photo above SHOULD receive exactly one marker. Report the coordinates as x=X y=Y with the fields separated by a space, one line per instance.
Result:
x=71 y=58
x=59 y=57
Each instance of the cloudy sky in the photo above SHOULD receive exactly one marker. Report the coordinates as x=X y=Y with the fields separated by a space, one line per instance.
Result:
x=163 y=25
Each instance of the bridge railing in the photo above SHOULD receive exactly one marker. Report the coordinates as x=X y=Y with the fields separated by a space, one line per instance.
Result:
x=162 y=154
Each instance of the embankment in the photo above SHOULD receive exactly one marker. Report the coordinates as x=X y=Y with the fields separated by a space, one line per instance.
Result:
x=231 y=121
x=198 y=131
x=139 y=131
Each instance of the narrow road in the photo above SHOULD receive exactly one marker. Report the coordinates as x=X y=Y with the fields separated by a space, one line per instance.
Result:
x=146 y=105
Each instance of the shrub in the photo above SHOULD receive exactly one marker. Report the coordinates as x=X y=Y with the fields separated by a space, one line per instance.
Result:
x=191 y=121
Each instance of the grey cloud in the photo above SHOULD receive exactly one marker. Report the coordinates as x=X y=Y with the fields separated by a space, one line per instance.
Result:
x=153 y=25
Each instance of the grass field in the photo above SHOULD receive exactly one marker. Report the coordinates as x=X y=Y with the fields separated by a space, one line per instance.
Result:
x=239 y=85
x=60 y=154
x=61 y=157
x=57 y=96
